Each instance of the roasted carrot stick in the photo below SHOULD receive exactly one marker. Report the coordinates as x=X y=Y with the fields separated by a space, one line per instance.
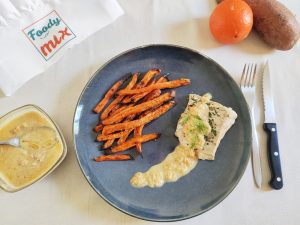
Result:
x=98 y=108
x=117 y=100
x=137 y=97
x=138 y=130
x=114 y=109
x=128 y=118
x=122 y=107
x=135 y=123
x=98 y=128
x=153 y=94
x=103 y=137
x=131 y=98
x=128 y=99
x=146 y=79
x=168 y=84
x=125 y=136
x=108 y=143
x=121 y=157
x=132 y=142
x=138 y=133
x=113 y=105
x=140 y=108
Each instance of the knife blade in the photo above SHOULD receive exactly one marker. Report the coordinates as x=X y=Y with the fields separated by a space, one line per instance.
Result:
x=271 y=129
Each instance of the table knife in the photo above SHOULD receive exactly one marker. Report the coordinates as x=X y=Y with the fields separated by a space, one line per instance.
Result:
x=270 y=127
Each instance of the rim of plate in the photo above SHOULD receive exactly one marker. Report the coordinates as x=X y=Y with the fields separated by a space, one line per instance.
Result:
x=106 y=199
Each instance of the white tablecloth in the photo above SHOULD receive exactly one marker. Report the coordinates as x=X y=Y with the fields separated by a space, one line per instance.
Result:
x=64 y=197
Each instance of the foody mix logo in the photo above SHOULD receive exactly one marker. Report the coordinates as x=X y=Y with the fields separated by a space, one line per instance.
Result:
x=49 y=34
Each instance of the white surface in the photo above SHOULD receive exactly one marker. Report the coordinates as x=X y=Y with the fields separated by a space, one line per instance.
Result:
x=66 y=198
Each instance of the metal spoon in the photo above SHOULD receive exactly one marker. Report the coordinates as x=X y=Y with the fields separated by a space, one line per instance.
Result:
x=41 y=131
x=13 y=142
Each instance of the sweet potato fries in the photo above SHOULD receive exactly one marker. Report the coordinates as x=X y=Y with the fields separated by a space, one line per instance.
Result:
x=123 y=112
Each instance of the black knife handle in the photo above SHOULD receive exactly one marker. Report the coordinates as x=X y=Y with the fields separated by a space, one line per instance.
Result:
x=274 y=157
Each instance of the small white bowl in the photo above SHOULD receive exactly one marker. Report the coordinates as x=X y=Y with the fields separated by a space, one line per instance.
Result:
x=10 y=116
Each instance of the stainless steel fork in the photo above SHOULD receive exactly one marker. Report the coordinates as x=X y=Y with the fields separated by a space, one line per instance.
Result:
x=247 y=85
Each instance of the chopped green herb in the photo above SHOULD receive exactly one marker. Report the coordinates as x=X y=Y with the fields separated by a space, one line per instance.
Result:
x=184 y=119
x=194 y=140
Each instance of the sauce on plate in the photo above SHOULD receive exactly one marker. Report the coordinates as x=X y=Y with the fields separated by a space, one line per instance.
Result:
x=177 y=164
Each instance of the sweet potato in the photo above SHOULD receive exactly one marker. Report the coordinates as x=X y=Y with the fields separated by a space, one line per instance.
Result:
x=168 y=84
x=135 y=123
x=139 y=108
x=275 y=23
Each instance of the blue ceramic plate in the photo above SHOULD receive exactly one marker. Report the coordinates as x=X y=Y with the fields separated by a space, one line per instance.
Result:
x=205 y=186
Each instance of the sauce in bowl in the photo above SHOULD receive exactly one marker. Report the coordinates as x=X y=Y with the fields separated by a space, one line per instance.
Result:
x=41 y=147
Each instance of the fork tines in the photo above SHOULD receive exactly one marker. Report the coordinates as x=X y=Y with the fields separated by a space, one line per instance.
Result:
x=248 y=75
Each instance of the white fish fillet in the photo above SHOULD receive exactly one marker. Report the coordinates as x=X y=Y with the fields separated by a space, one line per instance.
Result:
x=186 y=131
x=220 y=118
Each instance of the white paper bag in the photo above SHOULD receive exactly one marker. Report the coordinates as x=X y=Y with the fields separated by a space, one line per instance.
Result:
x=34 y=34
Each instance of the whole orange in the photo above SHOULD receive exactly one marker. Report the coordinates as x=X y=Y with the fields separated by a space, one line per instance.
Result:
x=231 y=21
